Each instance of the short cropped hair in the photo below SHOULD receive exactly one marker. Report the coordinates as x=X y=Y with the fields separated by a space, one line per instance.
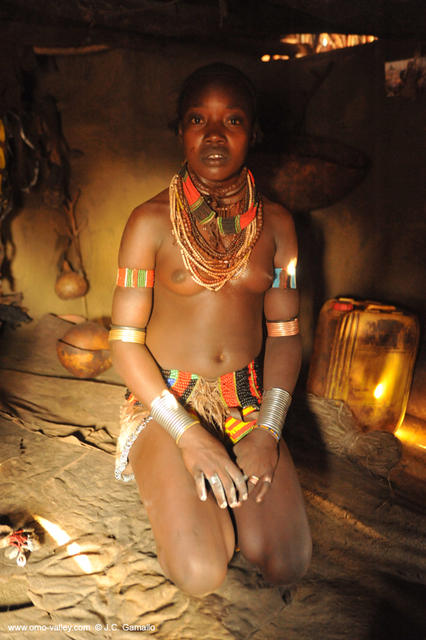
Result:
x=215 y=72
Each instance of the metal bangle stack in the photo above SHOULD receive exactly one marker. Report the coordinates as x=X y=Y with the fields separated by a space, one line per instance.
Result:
x=166 y=410
x=274 y=408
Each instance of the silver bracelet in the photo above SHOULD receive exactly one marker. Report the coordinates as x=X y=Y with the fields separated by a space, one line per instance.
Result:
x=166 y=410
x=273 y=410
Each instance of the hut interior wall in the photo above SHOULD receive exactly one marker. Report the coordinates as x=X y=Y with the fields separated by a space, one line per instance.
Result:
x=116 y=107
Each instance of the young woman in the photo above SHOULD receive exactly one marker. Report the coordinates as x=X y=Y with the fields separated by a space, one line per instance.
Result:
x=200 y=266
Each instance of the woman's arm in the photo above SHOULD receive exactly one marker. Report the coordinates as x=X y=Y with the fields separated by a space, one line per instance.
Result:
x=281 y=304
x=204 y=456
x=257 y=453
x=132 y=306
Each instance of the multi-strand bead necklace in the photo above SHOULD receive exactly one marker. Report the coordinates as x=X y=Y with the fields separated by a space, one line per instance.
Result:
x=215 y=246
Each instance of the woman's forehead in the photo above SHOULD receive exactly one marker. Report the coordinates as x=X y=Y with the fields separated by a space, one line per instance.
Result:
x=219 y=89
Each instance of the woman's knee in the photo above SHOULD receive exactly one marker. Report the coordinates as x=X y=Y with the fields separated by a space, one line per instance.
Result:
x=284 y=565
x=195 y=575
x=288 y=569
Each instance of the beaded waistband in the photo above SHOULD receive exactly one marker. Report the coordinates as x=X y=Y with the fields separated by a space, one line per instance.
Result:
x=241 y=388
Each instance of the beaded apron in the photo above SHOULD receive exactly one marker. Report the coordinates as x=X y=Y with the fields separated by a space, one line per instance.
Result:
x=210 y=400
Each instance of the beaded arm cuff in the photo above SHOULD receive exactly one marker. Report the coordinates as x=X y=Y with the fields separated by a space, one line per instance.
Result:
x=285 y=278
x=273 y=410
x=135 y=278
x=166 y=410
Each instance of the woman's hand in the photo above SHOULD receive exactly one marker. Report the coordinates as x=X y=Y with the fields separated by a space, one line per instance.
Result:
x=206 y=458
x=257 y=457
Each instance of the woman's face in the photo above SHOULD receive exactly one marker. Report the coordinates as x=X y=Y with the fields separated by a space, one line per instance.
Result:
x=216 y=131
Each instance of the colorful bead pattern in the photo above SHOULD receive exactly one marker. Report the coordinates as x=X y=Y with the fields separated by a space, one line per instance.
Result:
x=181 y=383
x=246 y=411
x=282 y=280
x=204 y=214
x=211 y=265
x=237 y=429
x=271 y=431
x=135 y=278
x=241 y=388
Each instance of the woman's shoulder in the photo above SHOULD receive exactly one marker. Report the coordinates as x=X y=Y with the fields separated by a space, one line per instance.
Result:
x=153 y=210
x=277 y=218
x=147 y=225
x=275 y=210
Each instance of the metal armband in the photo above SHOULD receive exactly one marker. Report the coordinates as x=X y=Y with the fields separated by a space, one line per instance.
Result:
x=286 y=328
x=119 y=333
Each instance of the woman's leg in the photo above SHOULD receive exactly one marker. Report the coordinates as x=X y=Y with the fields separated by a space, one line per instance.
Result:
x=274 y=534
x=195 y=539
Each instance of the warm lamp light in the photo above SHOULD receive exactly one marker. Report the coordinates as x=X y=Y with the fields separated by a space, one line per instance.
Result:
x=412 y=432
x=291 y=267
x=379 y=391
x=311 y=43
x=299 y=45
x=291 y=272
x=61 y=537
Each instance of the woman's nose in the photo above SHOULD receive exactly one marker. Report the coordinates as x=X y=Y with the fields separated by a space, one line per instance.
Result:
x=215 y=131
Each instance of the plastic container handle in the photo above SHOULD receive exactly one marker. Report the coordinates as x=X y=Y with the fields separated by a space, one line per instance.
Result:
x=380 y=307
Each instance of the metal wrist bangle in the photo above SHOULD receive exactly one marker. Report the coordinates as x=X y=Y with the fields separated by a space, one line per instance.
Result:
x=166 y=410
x=273 y=410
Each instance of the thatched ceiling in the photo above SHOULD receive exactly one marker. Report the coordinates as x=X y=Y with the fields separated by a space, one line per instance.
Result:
x=241 y=24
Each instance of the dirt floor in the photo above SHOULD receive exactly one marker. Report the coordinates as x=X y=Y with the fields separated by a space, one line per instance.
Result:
x=367 y=577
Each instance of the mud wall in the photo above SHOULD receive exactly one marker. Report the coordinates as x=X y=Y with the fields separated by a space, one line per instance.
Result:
x=116 y=107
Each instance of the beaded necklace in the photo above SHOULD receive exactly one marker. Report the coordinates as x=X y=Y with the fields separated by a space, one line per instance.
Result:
x=212 y=266
x=205 y=214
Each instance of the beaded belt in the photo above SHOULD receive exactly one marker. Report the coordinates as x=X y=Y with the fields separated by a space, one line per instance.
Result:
x=211 y=399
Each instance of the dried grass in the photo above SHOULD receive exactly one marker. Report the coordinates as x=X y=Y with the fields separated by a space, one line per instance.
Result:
x=378 y=451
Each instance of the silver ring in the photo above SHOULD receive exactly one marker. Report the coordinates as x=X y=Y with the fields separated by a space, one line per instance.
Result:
x=214 y=479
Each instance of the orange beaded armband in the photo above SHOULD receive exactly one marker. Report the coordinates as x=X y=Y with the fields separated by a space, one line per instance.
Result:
x=135 y=278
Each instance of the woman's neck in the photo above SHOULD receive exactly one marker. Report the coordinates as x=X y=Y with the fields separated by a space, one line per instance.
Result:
x=225 y=193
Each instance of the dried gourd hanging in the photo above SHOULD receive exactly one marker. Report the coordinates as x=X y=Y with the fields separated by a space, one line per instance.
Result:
x=70 y=284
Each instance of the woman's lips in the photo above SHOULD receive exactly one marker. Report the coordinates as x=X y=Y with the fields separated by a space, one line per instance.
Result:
x=214 y=157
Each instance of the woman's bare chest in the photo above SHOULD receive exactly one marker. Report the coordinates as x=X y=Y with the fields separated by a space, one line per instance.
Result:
x=255 y=275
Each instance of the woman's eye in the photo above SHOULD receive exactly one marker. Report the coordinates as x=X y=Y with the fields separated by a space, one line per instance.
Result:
x=195 y=119
x=234 y=120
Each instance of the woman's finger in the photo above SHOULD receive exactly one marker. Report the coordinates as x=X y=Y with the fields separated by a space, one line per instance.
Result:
x=266 y=485
x=230 y=491
x=239 y=481
x=232 y=496
x=200 y=485
x=218 y=490
x=252 y=482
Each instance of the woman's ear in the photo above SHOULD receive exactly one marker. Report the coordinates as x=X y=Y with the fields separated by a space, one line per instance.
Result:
x=256 y=134
x=174 y=126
